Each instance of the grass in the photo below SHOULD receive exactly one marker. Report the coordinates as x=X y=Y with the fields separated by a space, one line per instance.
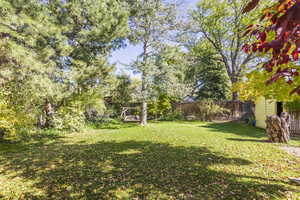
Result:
x=169 y=160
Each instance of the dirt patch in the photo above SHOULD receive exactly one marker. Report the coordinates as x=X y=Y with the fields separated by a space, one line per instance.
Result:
x=292 y=150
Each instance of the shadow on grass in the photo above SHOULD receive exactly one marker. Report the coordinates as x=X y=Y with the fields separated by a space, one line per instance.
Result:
x=132 y=170
x=248 y=140
x=27 y=141
x=237 y=128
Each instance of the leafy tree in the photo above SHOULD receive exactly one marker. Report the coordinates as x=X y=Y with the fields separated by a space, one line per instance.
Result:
x=94 y=28
x=207 y=74
x=254 y=86
x=278 y=33
x=135 y=88
x=8 y=118
x=169 y=78
x=221 y=23
x=151 y=25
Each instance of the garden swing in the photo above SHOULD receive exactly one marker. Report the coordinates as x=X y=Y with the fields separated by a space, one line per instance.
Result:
x=130 y=114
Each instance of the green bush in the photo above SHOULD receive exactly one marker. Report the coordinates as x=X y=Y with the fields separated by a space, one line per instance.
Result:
x=69 y=118
x=208 y=109
x=172 y=116
x=10 y=120
x=161 y=108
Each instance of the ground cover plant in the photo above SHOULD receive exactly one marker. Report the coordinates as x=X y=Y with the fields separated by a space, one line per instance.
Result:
x=165 y=160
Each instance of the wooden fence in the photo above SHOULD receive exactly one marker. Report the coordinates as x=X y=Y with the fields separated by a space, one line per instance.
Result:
x=238 y=110
x=295 y=125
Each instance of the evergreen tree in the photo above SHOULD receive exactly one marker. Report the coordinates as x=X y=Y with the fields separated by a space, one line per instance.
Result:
x=54 y=53
x=206 y=74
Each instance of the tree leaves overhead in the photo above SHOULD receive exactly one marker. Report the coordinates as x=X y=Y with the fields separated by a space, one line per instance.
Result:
x=278 y=34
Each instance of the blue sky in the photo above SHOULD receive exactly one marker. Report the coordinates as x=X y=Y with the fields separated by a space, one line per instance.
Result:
x=125 y=56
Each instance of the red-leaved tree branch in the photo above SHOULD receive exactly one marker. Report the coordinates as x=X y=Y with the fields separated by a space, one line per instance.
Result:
x=281 y=23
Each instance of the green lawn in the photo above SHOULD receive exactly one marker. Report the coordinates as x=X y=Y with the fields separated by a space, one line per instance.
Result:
x=169 y=160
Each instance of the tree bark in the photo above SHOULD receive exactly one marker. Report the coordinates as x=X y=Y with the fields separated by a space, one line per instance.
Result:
x=144 y=114
x=234 y=79
x=143 y=118
x=49 y=111
x=45 y=120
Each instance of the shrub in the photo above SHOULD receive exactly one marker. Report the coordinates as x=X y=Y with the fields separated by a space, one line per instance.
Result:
x=161 y=108
x=172 y=116
x=69 y=118
x=94 y=109
x=13 y=116
x=91 y=115
x=8 y=120
x=208 y=109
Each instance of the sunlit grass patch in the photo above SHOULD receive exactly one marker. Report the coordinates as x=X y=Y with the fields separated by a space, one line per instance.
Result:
x=169 y=160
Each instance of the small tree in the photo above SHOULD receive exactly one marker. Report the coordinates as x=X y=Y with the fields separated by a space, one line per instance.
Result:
x=161 y=107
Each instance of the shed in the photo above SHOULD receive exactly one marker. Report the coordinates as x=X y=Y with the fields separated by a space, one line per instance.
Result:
x=265 y=107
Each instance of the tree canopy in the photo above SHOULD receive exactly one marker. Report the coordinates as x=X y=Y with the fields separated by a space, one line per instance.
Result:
x=54 y=53
x=221 y=23
x=277 y=36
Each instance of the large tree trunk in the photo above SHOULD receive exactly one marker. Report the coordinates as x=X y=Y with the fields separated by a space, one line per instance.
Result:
x=144 y=114
x=278 y=128
x=235 y=95
x=143 y=118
